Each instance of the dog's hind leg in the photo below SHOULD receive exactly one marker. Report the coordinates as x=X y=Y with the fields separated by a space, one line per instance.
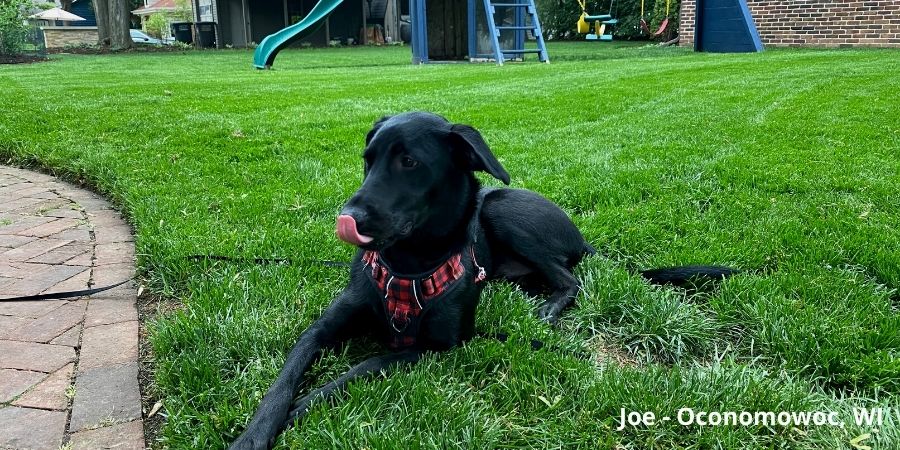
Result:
x=384 y=364
x=527 y=230
x=565 y=287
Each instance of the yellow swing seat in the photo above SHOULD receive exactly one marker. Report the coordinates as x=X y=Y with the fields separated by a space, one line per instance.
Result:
x=599 y=21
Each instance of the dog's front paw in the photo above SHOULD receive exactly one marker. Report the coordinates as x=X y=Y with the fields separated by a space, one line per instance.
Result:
x=251 y=441
x=549 y=312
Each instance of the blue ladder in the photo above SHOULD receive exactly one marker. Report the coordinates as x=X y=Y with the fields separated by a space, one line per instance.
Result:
x=522 y=8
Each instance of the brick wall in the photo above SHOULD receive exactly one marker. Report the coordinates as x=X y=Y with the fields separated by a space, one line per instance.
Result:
x=58 y=37
x=815 y=23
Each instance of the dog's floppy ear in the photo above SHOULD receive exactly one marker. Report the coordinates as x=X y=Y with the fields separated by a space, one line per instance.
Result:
x=474 y=152
x=375 y=128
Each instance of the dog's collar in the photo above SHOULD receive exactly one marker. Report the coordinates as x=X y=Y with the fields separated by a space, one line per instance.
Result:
x=406 y=299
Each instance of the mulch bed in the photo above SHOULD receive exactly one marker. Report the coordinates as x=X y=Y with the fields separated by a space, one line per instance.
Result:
x=92 y=50
x=21 y=59
x=97 y=50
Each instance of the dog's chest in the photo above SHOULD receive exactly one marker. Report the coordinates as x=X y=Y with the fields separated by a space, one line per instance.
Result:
x=405 y=301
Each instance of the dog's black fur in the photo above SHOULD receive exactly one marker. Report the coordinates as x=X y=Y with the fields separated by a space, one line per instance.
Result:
x=418 y=202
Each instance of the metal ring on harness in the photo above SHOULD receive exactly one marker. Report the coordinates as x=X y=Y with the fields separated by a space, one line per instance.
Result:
x=394 y=325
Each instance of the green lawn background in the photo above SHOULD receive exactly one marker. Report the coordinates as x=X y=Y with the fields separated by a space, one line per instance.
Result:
x=784 y=164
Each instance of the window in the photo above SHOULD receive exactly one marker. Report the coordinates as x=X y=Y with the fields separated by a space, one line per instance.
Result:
x=205 y=10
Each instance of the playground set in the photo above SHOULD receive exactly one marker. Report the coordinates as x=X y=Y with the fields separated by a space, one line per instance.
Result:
x=498 y=31
x=602 y=22
x=495 y=31
x=723 y=26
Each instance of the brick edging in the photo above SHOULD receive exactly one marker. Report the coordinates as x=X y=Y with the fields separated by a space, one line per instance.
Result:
x=106 y=407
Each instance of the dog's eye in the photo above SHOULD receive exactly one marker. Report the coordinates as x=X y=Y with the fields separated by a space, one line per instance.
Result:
x=408 y=162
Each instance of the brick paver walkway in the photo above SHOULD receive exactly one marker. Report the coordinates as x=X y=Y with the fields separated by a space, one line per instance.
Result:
x=68 y=368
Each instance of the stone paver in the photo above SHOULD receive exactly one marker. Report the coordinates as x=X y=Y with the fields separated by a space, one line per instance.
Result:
x=71 y=338
x=50 y=393
x=43 y=279
x=106 y=395
x=50 y=325
x=50 y=228
x=33 y=356
x=106 y=309
x=14 y=382
x=123 y=436
x=33 y=249
x=66 y=361
x=109 y=345
x=29 y=310
x=8 y=323
x=28 y=428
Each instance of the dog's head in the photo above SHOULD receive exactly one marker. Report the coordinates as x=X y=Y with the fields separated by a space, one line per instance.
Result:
x=417 y=166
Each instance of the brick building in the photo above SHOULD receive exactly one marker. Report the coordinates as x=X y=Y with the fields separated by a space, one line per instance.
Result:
x=815 y=23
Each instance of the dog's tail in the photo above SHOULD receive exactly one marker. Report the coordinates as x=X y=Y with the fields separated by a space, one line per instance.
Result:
x=679 y=275
x=685 y=275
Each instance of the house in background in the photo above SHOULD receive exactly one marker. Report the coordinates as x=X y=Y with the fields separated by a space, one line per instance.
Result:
x=241 y=22
x=81 y=8
x=85 y=9
x=62 y=34
x=168 y=8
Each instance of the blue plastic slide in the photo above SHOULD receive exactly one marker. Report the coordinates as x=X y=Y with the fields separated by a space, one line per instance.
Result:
x=273 y=43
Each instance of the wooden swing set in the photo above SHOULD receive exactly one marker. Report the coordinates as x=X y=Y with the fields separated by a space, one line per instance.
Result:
x=600 y=22
x=645 y=27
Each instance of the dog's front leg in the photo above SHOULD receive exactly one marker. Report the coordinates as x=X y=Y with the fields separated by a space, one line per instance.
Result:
x=384 y=364
x=273 y=409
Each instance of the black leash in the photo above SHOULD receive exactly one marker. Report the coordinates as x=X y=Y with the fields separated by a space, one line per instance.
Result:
x=92 y=291
x=500 y=337
x=61 y=295
x=267 y=261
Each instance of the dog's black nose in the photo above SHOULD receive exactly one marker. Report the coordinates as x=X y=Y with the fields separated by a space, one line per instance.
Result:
x=346 y=228
x=358 y=214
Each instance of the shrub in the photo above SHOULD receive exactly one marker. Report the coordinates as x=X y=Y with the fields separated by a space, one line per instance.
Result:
x=558 y=18
x=13 y=29
x=156 y=25
x=182 y=46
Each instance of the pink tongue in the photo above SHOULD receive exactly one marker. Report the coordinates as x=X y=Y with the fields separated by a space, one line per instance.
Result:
x=346 y=231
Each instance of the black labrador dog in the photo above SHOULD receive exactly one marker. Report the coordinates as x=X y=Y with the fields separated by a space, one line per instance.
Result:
x=429 y=237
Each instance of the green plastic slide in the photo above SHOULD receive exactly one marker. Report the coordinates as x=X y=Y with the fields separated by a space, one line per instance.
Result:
x=273 y=43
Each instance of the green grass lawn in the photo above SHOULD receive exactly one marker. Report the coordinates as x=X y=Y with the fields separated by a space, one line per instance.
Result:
x=784 y=164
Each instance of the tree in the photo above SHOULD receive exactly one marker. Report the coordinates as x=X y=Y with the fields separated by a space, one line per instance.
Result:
x=184 y=11
x=114 y=23
x=66 y=5
x=120 y=24
x=101 y=14
x=13 y=31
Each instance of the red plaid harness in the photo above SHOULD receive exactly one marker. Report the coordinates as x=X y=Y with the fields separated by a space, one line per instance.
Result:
x=406 y=299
